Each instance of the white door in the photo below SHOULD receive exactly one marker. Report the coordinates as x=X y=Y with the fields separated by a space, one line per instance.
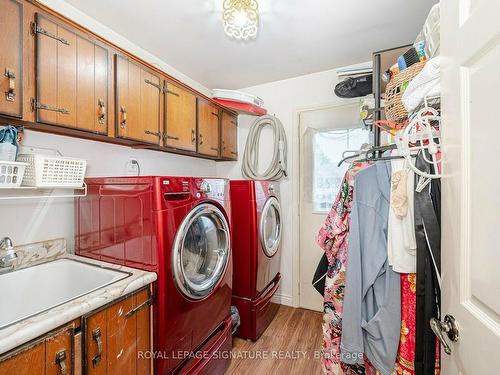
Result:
x=324 y=135
x=470 y=46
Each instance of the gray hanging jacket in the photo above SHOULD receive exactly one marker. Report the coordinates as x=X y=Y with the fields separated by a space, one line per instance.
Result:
x=372 y=297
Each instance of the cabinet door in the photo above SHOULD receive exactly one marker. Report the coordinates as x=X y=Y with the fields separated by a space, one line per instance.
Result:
x=11 y=56
x=96 y=335
x=117 y=337
x=143 y=317
x=92 y=88
x=51 y=354
x=122 y=338
x=72 y=78
x=29 y=361
x=229 y=137
x=59 y=353
x=180 y=118
x=208 y=129
x=138 y=95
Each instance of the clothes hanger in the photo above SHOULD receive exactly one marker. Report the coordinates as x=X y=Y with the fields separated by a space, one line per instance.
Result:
x=422 y=135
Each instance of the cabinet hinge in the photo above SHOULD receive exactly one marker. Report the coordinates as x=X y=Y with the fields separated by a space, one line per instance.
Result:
x=36 y=29
x=146 y=303
x=167 y=91
x=149 y=132
x=37 y=105
x=149 y=82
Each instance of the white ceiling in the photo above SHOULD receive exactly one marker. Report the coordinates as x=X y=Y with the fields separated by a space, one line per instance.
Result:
x=296 y=37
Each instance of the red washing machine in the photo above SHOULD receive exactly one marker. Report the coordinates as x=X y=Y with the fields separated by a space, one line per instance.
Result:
x=179 y=228
x=256 y=253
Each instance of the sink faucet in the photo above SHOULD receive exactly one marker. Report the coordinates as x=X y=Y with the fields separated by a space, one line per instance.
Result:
x=7 y=255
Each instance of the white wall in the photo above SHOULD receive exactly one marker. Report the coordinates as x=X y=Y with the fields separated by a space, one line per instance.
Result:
x=284 y=99
x=27 y=221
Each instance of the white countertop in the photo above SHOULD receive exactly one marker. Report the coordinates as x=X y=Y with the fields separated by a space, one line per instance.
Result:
x=35 y=326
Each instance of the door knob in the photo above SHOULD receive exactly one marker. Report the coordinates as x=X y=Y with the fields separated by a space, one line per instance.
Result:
x=448 y=327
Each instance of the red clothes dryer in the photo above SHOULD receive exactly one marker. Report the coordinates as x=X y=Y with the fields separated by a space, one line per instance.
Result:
x=257 y=230
x=179 y=228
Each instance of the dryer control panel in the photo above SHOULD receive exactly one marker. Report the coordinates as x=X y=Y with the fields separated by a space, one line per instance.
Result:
x=215 y=188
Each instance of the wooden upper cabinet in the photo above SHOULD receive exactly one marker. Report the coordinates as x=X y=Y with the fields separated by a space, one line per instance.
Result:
x=72 y=78
x=138 y=102
x=180 y=118
x=208 y=129
x=11 y=58
x=229 y=136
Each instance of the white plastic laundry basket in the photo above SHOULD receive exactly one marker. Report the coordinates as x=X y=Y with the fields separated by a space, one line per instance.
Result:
x=11 y=173
x=53 y=171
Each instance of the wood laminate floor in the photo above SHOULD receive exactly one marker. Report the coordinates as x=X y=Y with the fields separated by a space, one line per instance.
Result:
x=290 y=345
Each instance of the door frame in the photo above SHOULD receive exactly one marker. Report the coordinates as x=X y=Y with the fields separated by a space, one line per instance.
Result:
x=296 y=191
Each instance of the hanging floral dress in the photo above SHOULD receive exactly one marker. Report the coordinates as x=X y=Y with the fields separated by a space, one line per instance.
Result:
x=333 y=239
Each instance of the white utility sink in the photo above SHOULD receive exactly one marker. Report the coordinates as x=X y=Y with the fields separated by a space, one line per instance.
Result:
x=36 y=289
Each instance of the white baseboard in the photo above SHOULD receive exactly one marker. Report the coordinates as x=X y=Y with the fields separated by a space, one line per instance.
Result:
x=283 y=299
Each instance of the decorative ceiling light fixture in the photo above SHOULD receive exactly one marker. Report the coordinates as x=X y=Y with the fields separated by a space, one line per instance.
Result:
x=241 y=18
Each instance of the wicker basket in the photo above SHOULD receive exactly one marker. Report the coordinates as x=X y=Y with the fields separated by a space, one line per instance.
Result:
x=394 y=109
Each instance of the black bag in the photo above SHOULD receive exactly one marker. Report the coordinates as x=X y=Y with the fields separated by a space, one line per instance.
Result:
x=355 y=87
x=319 y=279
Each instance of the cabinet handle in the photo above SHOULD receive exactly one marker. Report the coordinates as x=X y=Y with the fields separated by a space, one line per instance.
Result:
x=166 y=136
x=215 y=114
x=146 y=303
x=61 y=361
x=96 y=336
x=234 y=153
x=102 y=111
x=123 y=123
x=201 y=139
x=10 y=94
x=193 y=136
x=214 y=149
x=156 y=134
x=233 y=122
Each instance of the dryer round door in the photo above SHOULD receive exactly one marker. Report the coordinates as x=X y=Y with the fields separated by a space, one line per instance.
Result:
x=201 y=251
x=270 y=226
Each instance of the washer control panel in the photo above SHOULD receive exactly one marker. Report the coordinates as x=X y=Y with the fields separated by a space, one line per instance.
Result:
x=214 y=188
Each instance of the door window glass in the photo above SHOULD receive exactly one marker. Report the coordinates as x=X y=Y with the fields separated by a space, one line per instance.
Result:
x=201 y=251
x=271 y=226
x=327 y=148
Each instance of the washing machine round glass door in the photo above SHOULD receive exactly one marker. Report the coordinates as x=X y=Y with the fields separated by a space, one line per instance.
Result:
x=201 y=251
x=270 y=226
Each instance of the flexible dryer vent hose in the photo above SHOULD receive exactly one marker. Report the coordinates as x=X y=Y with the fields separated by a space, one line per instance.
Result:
x=278 y=165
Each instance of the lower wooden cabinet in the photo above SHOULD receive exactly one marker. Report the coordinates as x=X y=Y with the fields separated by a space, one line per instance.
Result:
x=51 y=354
x=117 y=336
x=112 y=340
